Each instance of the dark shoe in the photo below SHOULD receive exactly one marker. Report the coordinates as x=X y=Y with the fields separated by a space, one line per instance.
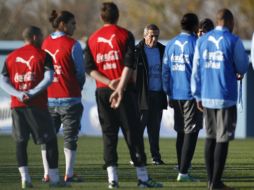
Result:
x=150 y=183
x=186 y=178
x=113 y=185
x=158 y=162
x=220 y=186
x=75 y=178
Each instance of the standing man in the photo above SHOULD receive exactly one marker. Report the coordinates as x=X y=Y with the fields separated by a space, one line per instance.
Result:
x=151 y=97
x=64 y=94
x=110 y=61
x=176 y=74
x=26 y=74
x=219 y=61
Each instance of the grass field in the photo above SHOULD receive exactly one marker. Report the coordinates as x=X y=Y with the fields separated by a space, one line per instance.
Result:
x=239 y=170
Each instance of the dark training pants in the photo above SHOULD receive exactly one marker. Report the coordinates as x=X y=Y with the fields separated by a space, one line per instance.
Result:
x=124 y=117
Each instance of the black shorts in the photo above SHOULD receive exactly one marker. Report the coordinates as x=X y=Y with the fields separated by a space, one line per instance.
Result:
x=32 y=120
x=220 y=124
x=188 y=118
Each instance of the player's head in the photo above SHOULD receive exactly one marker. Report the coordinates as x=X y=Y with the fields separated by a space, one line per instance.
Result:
x=63 y=21
x=225 y=18
x=205 y=26
x=33 y=35
x=189 y=22
x=109 y=13
x=151 y=35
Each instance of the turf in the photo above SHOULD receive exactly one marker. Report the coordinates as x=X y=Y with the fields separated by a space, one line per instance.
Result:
x=239 y=171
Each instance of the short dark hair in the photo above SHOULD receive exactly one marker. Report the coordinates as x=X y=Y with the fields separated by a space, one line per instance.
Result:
x=206 y=25
x=109 y=12
x=224 y=14
x=63 y=16
x=30 y=31
x=189 y=22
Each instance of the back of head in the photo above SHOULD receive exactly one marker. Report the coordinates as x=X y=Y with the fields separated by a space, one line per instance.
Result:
x=206 y=25
x=189 y=22
x=32 y=34
x=224 y=17
x=109 y=13
x=64 y=16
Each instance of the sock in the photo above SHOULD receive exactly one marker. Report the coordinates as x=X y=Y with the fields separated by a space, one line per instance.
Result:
x=23 y=170
x=142 y=173
x=45 y=163
x=112 y=173
x=209 y=155
x=54 y=175
x=188 y=149
x=70 y=156
x=220 y=155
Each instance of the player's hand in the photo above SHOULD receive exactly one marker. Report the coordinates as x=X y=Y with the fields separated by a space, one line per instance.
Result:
x=200 y=106
x=239 y=76
x=115 y=98
x=26 y=98
x=113 y=84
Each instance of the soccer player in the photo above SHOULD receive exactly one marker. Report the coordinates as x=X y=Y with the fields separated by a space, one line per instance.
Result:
x=176 y=76
x=151 y=97
x=26 y=74
x=219 y=61
x=109 y=59
x=205 y=26
x=64 y=94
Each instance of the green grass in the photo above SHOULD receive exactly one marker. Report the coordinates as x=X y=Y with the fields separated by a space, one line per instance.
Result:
x=239 y=171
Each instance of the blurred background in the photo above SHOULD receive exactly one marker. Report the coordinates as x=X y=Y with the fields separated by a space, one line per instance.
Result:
x=134 y=15
x=15 y=15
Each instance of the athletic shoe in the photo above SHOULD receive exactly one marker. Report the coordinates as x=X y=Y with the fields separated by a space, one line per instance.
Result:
x=26 y=185
x=113 y=185
x=158 y=162
x=58 y=184
x=150 y=183
x=131 y=162
x=220 y=186
x=75 y=178
x=186 y=178
x=45 y=179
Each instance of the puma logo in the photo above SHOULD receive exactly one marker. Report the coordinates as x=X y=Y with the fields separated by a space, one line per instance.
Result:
x=109 y=42
x=53 y=55
x=26 y=62
x=214 y=41
x=181 y=45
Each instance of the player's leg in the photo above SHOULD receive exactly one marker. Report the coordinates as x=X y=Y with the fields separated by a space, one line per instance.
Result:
x=226 y=123
x=110 y=128
x=57 y=124
x=191 y=130
x=210 y=143
x=179 y=128
x=20 y=133
x=71 y=117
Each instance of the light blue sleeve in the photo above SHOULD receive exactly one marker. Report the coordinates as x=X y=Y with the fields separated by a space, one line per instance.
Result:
x=196 y=75
x=252 y=51
x=47 y=80
x=77 y=56
x=241 y=59
x=9 y=89
x=166 y=72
